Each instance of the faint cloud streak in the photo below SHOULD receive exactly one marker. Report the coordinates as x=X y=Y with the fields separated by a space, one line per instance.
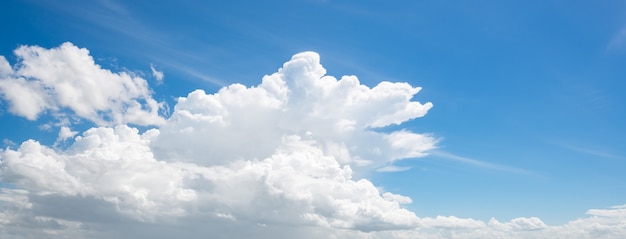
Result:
x=197 y=74
x=588 y=151
x=392 y=169
x=618 y=41
x=478 y=163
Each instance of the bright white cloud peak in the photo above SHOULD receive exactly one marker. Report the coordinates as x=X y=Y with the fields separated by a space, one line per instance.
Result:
x=277 y=160
x=298 y=100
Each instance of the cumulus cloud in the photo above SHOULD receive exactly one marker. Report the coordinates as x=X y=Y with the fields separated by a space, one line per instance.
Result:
x=114 y=168
x=65 y=133
x=278 y=160
x=299 y=99
x=67 y=78
x=280 y=153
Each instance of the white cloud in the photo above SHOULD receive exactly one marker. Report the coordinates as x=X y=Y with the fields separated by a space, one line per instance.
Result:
x=278 y=160
x=65 y=133
x=114 y=168
x=27 y=98
x=5 y=67
x=392 y=169
x=67 y=78
x=158 y=75
x=281 y=153
x=616 y=211
x=297 y=100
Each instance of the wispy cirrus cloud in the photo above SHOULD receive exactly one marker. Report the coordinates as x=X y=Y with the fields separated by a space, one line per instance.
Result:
x=392 y=169
x=618 y=41
x=608 y=154
x=478 y=163
x=115 y=18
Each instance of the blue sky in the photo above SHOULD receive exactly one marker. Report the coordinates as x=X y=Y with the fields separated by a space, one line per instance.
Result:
x=528 y=96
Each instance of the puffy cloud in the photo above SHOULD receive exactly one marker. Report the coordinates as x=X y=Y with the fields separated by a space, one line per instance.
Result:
x=114 y=168
x=451 y=222
x=65 y=133
x=280 y=159
x=300 y=100
x=466 y=228
x=280 y=153
x=67 y=78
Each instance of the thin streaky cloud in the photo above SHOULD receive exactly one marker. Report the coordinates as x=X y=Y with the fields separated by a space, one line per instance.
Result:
x=116 y=18
x=392 y=169
x=197 y=74
x=588 y=151
x=114 y=6
x=618 y=41
x=478 y=163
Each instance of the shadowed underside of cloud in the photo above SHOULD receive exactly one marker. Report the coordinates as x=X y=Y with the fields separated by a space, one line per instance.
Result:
x=282 y=159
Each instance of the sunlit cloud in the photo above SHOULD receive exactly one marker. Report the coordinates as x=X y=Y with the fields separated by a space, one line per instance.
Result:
x=286 y=158
x=66 y=78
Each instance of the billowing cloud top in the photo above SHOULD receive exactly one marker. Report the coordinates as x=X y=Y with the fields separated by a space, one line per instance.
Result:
x=298 y=100
x=277 y=160
x=282 y=152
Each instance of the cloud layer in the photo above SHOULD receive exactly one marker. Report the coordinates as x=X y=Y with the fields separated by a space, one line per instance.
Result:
x=284 y=159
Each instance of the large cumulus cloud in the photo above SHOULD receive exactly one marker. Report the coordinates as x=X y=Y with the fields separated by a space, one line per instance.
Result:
x=280 y=153
x=287 y=158
x=240 y=122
